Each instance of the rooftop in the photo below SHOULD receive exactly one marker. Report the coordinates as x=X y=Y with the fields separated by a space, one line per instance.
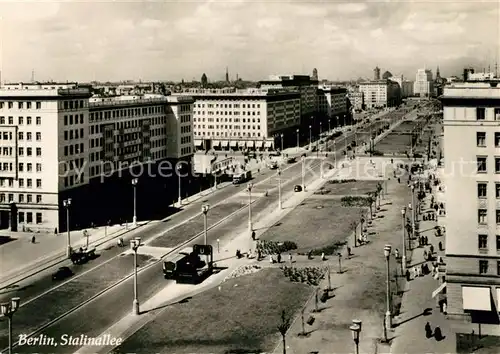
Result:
x=482 y=89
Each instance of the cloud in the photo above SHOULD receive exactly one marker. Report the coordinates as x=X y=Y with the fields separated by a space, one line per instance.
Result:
x=173 y=40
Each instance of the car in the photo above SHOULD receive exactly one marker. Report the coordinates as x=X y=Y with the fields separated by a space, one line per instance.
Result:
x=62 y=273
x=291 y=160
x=297 y=188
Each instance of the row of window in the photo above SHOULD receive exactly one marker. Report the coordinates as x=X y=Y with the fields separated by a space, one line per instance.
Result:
x=125 y=112
x=73 y=149
x=9 y=198
x=20 y=120
x=227 y=113
x=211 y=126
x=482 y=216
x=228 y=105
x=74 y=104
x=76 y=119
x=73 y=180
x=74 y=134
x=481 y=113
x=481 y=139
x=482 y=190
x=186 y=150
x=29 y=217
x=185 y=118
x=482 y=166
x=226 y=120
x=21 y=105
x=29 y=167
x=29 y=136
x=29 y=151
x=226 y=134
x=185 y=140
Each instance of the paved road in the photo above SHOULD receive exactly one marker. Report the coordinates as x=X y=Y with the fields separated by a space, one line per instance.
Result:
x=104 y=311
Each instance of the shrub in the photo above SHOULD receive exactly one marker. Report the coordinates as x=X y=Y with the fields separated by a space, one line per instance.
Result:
x=338 y=181
x=309 y=275
x=275 y=247
x=375 y=152
x=328 y=250
x=355 y=201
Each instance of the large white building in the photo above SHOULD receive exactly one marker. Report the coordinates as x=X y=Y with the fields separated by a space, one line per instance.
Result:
x=242 y=119
x=381 y=93
x=471 y=113
x=332 y=101
x=423 y=85
x=57 y=142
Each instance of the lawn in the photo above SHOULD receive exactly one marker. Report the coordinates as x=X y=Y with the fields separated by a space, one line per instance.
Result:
x=316 y=223
x=349 y=188
x=394 y=143
x=240 y=318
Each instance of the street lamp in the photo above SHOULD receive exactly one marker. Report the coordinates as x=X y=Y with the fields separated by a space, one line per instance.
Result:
x=281 y=136
x=204 y=209
x=249 y=189
x=179 y=199
x=310 y=136
x=8 y=309
x=335 y=152
x=303 y=173
x=298 y=145
x=279 y=189
x=403 y=260
x=355 y=329
x=388 y=315
x=67 y=204
x=329 y=127
x=134 y=245
x=134 y=184
x=320 y=128
x=414 y=210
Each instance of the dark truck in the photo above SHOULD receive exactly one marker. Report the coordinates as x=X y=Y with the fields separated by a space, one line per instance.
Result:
x=188 y=267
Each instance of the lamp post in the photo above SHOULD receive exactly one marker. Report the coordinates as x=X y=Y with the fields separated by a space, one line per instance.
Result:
x=134 y=184
x=403 y=260
x=388 y=315
x=310 y=136
x=298 y=145
x=303 y=174
x=329 y=126
x=355 y=329
x=8 y=309
x=335 y=152
x=179 y=199
x=67 y=204
x=414 y=209
x=340 y=262
x=134 y=245
x=279 y=189
x=281 y=138
x=320 y=128
x=204 y=209
x=249 y=189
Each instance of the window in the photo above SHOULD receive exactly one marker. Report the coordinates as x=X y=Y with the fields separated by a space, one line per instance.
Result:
x=29 y=183
x=38 y=218
x=29 y=151
x=38 y=136
x=498 y=216
x=28 y=105
x=21 y=217
x=481 y=139
x=11 y=120
x=21 y=151
x=39 y=105
x=482 y=241
x=481 y=190
x=38 y=167
x=482 y=216
x=483 y=267
x=29 y=136
x=38 y=183
x=21 y=198
x=21 y=120
x=21 y=183
x=498 y=267
x=497 y=190
x=29 y=166
x=38 y=151
x=29 y=217
x=28 y=120
x=30 y=198
x=481 y=164
x=38 y=198
x=480 y=113
x=497 y=164
x=498 y=242
x=11 y=197
x=497 y=139
x=38 y=120
x=20 y=136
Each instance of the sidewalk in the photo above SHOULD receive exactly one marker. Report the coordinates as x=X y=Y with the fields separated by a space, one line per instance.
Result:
x=409 y=336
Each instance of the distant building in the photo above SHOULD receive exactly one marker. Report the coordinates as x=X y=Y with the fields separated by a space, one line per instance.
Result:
x=376 y=74
x=227 y=75
x=315 y=74
x=480 y=76
x=231 y=119
x=407 y=89
x=423 y=85
x=467 y=72
x=356 y=99
x=332 y=101
x=381 y=93
x=204 y=80
x=387 y=75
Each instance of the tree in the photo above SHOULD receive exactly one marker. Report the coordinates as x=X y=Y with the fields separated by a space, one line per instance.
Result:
x=283 y=328
x=354 y=226
x=370 y=201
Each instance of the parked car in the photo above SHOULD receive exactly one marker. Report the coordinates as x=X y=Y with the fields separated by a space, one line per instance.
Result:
x=297 y=188
x=62 y=273
x=291 y=160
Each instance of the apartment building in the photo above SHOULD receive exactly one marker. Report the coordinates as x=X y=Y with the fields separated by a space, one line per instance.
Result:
x=357 y=100
x=59 y=143
x=471 y=113
x=253 y=119
x=332 y=101
x=381 y=93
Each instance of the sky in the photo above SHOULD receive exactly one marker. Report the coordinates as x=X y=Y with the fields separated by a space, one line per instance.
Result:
x=173 y=40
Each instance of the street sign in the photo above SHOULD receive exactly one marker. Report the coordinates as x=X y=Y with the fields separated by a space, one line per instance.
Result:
x=202 y=250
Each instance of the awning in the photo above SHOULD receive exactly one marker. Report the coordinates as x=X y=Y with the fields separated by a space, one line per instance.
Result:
x=259 y=144
x=498 y=295
x=476 y=298
x=250 y=144
x=269 y=144
x=233 y=143
x=438 y=290
x=225 y=143
x=215 y=142
x=198 y=142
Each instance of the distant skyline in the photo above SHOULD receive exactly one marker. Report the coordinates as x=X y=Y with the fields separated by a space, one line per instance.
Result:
x=157 y=40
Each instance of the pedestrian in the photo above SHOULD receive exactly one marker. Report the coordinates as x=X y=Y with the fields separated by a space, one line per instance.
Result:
x=415 y=272
x=445 y=306
x=349 y=252
x=271 y=259
x=425 y=255
x=323 y=258
x=431 y=249
x=440 y=244
x=290 y=258
x=259 y=254
x=309 y=254
x=279 y=257
x=399 y=180
x=253 y=235
x=428 y=330
x=438 y=334
x=422 y=269
x=33 y=239
x=407 y=274
x=396 y=253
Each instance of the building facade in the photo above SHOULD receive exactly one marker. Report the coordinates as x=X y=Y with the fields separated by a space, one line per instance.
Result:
x=332 y=101
x=379 y=94
x=423 y=85
x=230 y=119
x=471 y=113
x=60 y=143
x=357 y=100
